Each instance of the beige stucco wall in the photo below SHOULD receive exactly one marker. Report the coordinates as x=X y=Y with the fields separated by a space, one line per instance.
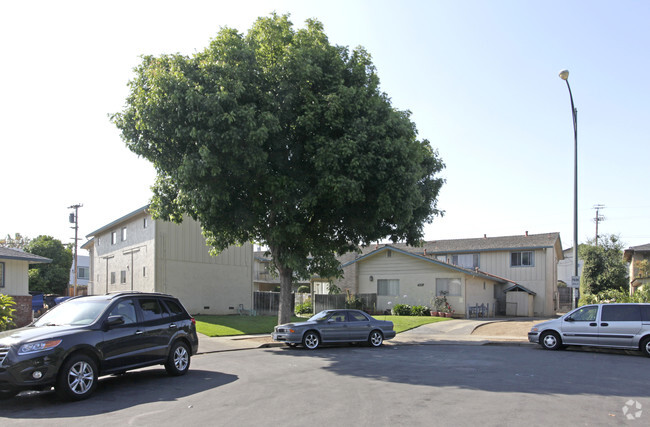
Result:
x=16 y=277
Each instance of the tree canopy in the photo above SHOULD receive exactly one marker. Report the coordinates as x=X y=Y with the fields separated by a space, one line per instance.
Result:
x=52 y=278
x=280 y=138
x=604 y=267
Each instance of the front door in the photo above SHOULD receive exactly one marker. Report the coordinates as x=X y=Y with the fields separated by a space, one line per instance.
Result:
x=580 y=327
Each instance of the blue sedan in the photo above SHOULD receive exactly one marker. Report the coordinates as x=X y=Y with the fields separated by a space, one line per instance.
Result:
x=335 y=326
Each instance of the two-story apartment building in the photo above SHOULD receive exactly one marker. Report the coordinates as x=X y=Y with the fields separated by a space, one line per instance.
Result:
x=634 y=255
x=469 y=271
x=138 y=253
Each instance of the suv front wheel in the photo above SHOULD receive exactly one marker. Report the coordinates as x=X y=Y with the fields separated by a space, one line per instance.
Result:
x=77 y=378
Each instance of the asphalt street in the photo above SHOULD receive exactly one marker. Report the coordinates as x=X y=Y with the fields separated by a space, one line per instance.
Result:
x=347 y=385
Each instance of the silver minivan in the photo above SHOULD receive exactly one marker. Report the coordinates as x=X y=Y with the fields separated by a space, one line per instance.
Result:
x=624 y=326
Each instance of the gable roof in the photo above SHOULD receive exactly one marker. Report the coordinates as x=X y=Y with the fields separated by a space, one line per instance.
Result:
x=475 y=273
x=627 y=254
x=118 y=221
x=16 y=254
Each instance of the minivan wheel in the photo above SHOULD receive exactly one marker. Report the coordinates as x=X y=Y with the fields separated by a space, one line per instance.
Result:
x=550 y=341
x=77 y=378
x=178 y=361
x=645 y=346
x=311 y=340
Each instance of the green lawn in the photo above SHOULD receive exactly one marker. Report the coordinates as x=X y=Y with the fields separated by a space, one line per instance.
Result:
x=219 y=326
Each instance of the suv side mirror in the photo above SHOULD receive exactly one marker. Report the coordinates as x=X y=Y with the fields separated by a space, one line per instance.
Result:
x=113 y=321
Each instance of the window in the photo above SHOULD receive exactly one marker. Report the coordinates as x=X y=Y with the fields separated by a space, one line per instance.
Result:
x=144 y=271
x=123 y=276
x=466 y=260
x=451 y=286
x=355 y=316
x=145 y=222
x=387 y=287
x=98 y=241
x=126 y=309
x=113 y=237
x=2 y=274
x=123 y=234
x=112 y=277
x=621 y=313
x=522 y=259
x=585 y=314
x=173 y=307
x=442 y=258
x=151 y=309
x=83 y=273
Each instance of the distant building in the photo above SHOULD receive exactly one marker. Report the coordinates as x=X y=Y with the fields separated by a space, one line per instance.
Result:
x=138 y=253
x=633 y=255
x=565 y=267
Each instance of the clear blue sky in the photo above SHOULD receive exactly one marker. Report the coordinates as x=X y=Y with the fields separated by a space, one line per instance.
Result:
x=480 y=77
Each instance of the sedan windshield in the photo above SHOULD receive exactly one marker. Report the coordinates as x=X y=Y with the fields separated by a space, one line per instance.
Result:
x=80 y=312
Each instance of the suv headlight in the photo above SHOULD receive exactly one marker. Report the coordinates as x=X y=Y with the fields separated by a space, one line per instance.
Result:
x=34 y=347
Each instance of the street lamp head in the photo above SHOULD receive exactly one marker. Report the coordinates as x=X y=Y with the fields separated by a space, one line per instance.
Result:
x=564 y=74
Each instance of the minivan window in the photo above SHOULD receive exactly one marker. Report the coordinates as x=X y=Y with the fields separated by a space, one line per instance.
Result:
x=621 y=313
x=585 y=314
x=645 y=313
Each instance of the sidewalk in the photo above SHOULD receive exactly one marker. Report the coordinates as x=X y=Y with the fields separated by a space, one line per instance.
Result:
x=457 y=331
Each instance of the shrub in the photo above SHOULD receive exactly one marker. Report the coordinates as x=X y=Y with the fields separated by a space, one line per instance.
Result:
x=304 y=308
x=420 y=310
x=353 y=302
x=401 y=310
x=6 y=312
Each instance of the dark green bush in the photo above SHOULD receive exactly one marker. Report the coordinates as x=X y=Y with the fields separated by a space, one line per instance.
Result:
x=419 y=310
x=304 y=308
x=401 y=310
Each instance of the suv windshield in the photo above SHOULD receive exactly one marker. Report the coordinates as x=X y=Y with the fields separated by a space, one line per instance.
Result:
x=81 y=311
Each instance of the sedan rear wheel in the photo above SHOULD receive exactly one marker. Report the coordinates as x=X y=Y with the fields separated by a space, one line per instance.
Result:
x=311 y=340
x=376 y=338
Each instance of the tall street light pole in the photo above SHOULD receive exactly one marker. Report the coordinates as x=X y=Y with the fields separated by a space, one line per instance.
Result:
x=564 y=75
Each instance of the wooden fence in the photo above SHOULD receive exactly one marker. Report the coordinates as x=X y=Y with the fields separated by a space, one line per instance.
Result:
x=268 y=303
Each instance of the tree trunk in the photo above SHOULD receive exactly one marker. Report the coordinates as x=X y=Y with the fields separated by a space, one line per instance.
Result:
x=285 y=312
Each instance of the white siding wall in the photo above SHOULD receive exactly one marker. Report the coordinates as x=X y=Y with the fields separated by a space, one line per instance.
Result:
x=134 y=256
x=205 y=284
x=16 y=277
x=541 y=278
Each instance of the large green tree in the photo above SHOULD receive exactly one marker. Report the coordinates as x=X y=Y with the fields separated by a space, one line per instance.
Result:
x=604 y=267
x=281 y=138
x=52 y=278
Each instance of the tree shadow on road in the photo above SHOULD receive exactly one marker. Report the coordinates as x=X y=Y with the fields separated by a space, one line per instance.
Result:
x=504 y=369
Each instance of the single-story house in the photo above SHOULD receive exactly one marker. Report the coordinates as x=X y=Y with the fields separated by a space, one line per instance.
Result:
x=472 y=271
x=14 y=280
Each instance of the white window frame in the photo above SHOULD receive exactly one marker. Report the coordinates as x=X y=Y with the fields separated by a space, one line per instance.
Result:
x=522 y=259
x=453 y=286
x=387 y=287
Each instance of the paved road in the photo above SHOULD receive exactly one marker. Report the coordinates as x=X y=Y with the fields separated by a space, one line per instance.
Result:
x=392 y=385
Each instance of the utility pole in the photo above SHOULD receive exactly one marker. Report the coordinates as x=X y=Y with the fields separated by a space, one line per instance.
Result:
x=598 y=218
x=74 y=219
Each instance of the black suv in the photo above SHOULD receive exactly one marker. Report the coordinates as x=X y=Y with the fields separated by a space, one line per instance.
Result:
x=85 y=337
